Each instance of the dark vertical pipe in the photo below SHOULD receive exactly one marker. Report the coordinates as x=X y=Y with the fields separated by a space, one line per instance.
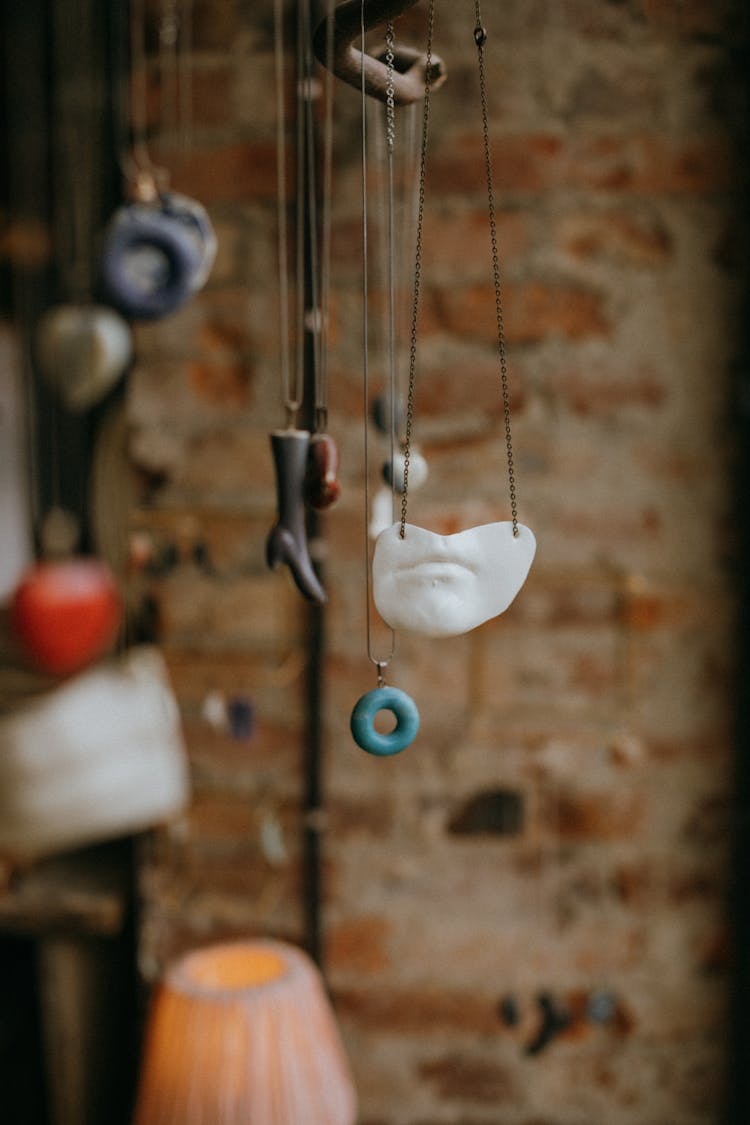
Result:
x=314 y=787
x=313 y=752
x=738 y=1101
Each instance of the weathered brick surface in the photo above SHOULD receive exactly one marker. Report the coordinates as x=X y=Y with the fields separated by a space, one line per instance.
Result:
x=603 y=698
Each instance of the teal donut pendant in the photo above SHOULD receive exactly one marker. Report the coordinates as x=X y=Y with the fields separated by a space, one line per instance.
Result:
x=384 y=699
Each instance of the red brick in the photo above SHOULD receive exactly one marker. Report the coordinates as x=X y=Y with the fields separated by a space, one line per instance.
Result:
x=625 y=92
x=601 y=815
x=212 y=101
x=533 y=311
x=654 y=881
x=250 y=611
x=646 y=164
x=232 y=173
x=168 y=394
x=418 y=1011
x=709 y=821
x=552 y=603
x=349 y=816
x=442 y=392
x=231 y=821
x=358 y=945
x=234 y=541
x=215 y=23
x=471 y=1080
x=645 y=610
x=460 y=240
x=210 y=105
x=222 y=463
x=609 y=393
x=622 y=237
x=635 y=163
x=273 y=755
x=452 y=236
x=25 y=244
x=525 y=163
x=691 y=17
x=224 y=383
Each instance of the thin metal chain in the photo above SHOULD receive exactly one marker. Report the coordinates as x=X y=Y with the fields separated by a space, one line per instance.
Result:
x=291 y=394
x=417 y=270
x=295 y=393
x=380 y=664
x=480 y=38
x=321 y=386
x=169 y=37
x=313 y=316
x=390 y=103
x=185 y=77
x=76 y=202
x=176 y=80
x=390 y=139
x=139 y=87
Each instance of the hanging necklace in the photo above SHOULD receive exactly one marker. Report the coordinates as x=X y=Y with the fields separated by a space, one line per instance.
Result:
x=159 y=247
x=444 y=585
x=82 y=348
x=382 y=698
x=322 y=487
x=305 y=464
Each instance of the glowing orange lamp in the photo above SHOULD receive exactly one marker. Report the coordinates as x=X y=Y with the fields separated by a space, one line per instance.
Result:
x=242 y=1033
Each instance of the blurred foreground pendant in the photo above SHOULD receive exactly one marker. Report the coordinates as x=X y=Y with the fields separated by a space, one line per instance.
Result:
x=243 y=1033
x=159 y=247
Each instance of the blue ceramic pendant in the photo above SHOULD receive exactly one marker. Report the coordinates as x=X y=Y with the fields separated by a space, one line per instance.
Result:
x=363 y=717
x=156 y=255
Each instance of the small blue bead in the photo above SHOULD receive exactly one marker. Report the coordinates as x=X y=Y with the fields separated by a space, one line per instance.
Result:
x=241 y=716
x=602 y=1007
x=384 y=699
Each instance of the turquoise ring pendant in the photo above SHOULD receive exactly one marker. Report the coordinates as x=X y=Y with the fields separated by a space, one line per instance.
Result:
x=384 y=699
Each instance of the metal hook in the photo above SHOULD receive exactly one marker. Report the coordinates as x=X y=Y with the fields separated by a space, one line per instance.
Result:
x=347 y=64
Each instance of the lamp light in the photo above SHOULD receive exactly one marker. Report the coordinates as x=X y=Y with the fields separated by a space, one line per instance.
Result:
x=242 y=1033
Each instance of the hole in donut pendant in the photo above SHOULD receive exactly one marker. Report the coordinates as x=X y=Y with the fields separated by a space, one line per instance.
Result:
x=404 y=711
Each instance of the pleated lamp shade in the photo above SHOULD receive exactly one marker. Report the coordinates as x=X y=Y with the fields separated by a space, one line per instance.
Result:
x=242 y=1034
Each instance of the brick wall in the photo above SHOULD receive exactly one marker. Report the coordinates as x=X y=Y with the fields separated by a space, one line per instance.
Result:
x=559 y=831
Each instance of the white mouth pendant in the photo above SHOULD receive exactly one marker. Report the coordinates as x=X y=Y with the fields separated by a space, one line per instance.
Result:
x=444 y=585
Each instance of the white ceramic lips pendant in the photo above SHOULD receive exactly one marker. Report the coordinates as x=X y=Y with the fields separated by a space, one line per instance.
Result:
x=444 y=585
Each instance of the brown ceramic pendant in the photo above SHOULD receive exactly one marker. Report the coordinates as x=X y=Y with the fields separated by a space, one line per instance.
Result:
x=322 y=488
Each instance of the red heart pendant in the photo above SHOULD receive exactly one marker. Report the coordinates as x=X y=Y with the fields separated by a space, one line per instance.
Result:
x=65 y=614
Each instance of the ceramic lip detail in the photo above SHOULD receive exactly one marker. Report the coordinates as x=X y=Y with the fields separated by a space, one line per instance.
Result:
x=444 y=585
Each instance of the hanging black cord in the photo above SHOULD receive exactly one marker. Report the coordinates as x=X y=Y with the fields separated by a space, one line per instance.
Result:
x=738 y=1101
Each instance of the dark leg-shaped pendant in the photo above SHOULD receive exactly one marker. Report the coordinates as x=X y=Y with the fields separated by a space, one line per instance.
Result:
x=287 y=541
